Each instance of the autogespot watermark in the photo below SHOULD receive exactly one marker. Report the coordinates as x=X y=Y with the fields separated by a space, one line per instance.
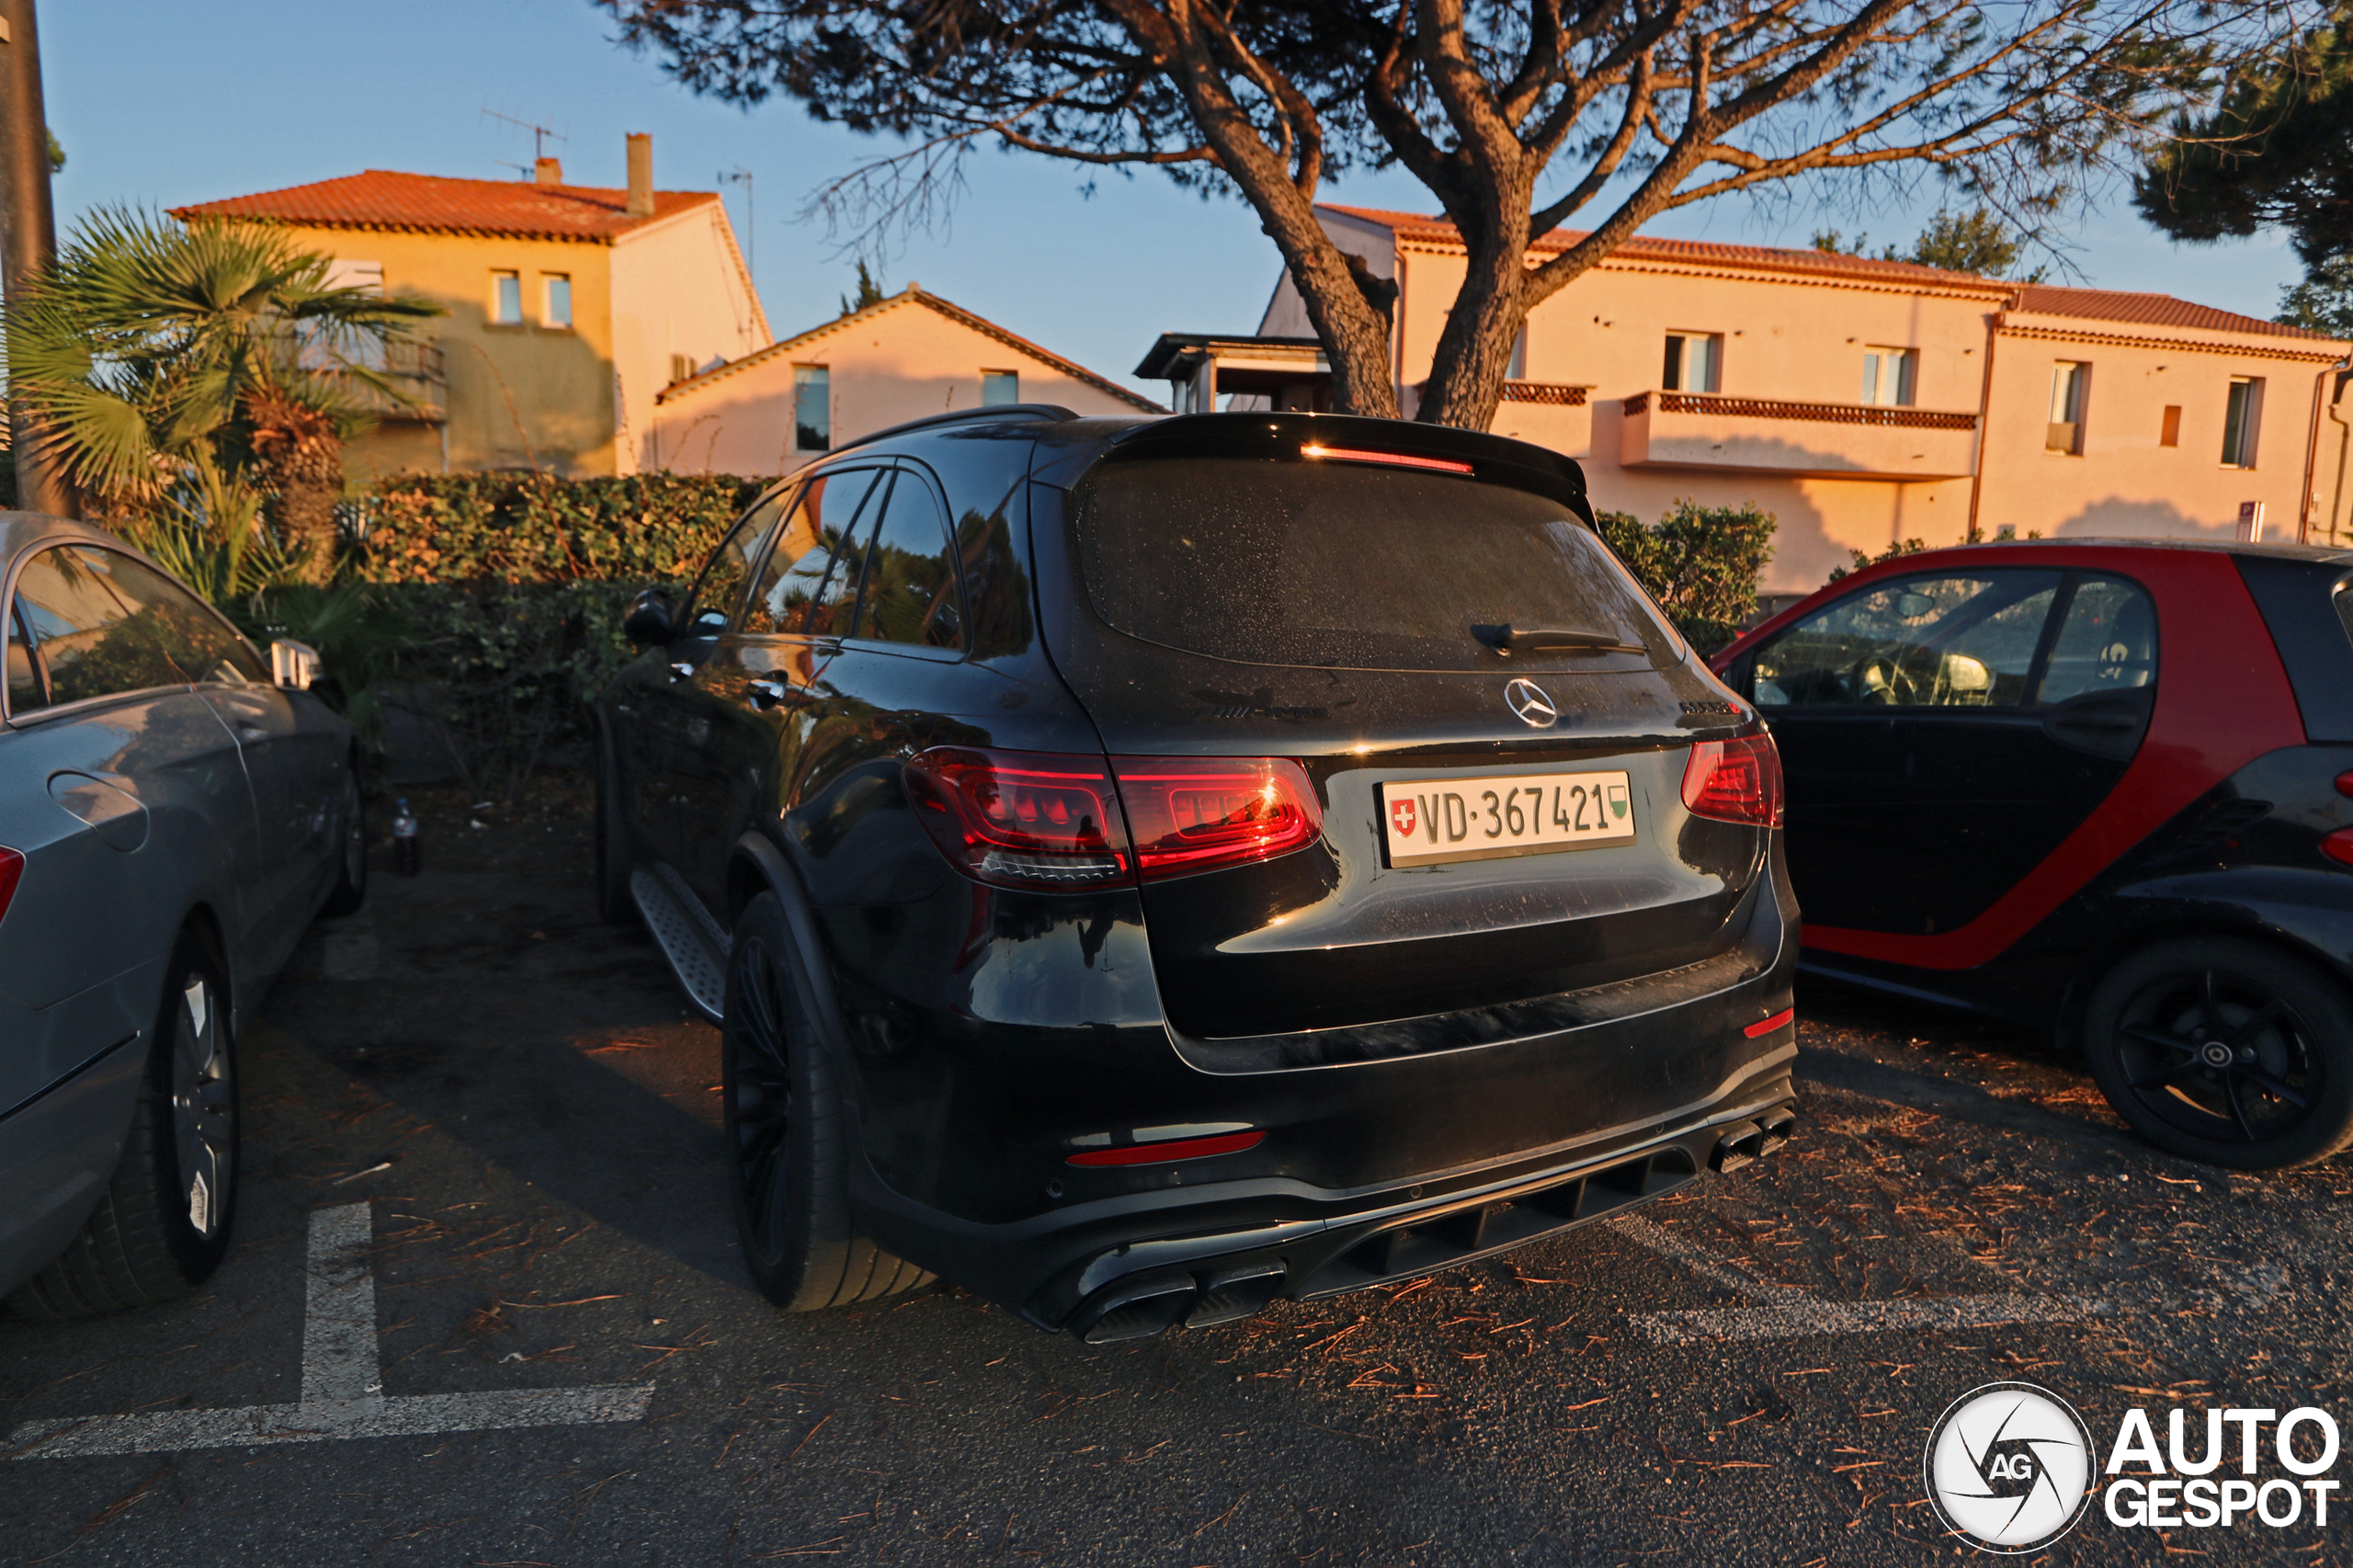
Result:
x=2011 y=1468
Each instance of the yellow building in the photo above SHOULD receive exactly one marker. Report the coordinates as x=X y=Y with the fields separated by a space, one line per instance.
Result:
x=570 y=308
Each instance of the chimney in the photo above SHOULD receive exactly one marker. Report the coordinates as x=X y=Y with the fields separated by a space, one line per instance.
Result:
x=641 y=175
x=548 y=171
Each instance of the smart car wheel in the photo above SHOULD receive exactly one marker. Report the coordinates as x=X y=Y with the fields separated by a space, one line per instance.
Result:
x=2226 y=1052
x=787 y=1145
x=162 y=1226
x=351 y=863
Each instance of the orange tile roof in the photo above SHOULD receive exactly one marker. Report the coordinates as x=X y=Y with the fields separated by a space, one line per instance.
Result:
x=1650 y=247
x=385 y=199
x=2149 y=310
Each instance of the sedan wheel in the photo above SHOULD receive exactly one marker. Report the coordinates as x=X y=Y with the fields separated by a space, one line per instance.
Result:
x=2226 y=1052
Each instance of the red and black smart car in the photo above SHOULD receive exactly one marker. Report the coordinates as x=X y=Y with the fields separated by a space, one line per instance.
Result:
x=2102 y=787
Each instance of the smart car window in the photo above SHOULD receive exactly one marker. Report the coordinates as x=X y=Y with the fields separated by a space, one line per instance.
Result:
x=2106 y=642
x=1329 y=565
x=105 y=625
x=910 y=593
x=809 y=586
x=717 y=591
x=1946 y=641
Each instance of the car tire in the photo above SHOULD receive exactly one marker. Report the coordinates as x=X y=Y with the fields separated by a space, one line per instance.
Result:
x=614 y=904
x=164 y=1224
x=2226 y=1052
x=351 y=864
x=788 y=1141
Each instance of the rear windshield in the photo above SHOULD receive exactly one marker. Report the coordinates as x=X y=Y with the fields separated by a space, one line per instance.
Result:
x=1349 y=567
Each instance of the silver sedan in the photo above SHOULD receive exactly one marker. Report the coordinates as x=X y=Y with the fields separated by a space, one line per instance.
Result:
x=175 y=807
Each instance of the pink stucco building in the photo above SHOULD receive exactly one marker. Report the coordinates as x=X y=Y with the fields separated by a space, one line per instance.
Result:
x=1861 y=402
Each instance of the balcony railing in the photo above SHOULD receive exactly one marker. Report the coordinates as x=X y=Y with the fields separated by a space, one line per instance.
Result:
x=1828 y=441
x=1560 y=394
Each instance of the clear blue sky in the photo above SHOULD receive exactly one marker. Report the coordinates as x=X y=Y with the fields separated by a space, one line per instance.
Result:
x=167 y=101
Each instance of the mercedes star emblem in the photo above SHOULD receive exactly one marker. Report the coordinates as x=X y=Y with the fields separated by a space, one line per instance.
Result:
x=1529 y=700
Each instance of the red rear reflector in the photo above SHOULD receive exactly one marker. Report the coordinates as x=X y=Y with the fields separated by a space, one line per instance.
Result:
x=1175 y=1149
x=12 y=868
x=1020 y=819
x=2345 y=783
x=1766 y=1026
x=1734 y=780
x=1393 y=459
x=1198 y=813
x=2338 y=846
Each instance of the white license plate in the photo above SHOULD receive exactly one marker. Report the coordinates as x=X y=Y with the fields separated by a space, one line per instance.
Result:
x=1428 y=821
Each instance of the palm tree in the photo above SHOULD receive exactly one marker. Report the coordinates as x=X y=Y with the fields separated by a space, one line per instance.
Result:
x=198 y=370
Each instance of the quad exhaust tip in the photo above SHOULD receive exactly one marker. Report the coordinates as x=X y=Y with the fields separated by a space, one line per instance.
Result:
x=1747 y=1141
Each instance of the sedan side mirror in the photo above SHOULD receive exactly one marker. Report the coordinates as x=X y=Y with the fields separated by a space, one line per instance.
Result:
x=652 y=618
x=294 y=665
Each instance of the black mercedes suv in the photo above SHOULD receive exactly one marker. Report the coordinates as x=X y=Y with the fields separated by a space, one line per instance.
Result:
x=1142 y=869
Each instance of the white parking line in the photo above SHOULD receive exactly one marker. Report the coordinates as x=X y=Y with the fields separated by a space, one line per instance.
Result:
x=1787 y=1312
x=343 y=1387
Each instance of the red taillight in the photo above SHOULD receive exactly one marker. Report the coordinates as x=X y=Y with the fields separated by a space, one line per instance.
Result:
x=2345 y=783
x=1766 y=1026
x=2338 y=846
x=1734 y=780
x=1391 y=460
x=1177 y=1149
x=1021 y=819
x=12 y=868
x=1198 y=813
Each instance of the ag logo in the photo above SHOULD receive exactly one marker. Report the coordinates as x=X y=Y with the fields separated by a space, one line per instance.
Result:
x=2009 y=1467
x=1402 y=816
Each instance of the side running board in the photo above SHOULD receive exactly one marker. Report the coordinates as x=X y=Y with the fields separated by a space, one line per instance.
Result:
x=688 y=937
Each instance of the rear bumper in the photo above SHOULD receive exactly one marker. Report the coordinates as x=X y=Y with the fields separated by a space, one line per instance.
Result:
x=1207 y=1253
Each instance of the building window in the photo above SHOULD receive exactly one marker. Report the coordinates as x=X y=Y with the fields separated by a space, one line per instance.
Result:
x=813 y=408
x=506 y=298
x=2239 y=417
x=1888 y=376
x=2068 y=384
x=999 y=388
x=558 y=298
x=1694 y=362
x=2169 y=429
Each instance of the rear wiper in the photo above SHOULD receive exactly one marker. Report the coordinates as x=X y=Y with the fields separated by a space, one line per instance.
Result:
x=1510 y=639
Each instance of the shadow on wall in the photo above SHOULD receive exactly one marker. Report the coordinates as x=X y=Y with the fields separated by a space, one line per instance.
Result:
x=2116 y=519
x=523 y=396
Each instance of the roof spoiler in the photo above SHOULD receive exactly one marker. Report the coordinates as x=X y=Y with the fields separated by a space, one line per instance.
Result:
x=1032 y=413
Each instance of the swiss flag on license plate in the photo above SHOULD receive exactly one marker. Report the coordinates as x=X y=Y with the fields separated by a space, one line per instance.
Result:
x=1402 y=816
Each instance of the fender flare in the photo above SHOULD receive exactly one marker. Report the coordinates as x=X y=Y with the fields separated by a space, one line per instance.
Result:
x=775 y=874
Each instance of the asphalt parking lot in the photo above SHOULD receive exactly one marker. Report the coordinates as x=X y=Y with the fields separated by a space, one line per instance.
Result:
x=484 y=1308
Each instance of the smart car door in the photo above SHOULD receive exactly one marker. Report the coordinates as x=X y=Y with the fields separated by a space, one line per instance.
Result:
x=747 y=706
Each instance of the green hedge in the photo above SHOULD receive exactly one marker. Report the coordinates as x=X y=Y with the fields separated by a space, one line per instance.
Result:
x=1701 y=564
x=530 y=529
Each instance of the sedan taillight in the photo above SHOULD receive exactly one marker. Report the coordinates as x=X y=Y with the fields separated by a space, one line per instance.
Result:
x=1734 y=780
x=2338 y=845
x=1201 y=813
x=1021 y=819
x=11 y=870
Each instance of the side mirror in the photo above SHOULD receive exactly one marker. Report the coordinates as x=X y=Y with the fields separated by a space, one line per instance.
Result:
x=651 y=619
x=293 y=666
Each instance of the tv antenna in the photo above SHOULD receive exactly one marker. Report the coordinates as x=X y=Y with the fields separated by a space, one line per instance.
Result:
x=742 y=176
x=539 y=135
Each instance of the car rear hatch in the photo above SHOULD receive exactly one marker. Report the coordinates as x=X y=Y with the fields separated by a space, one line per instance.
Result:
x=1452 y=656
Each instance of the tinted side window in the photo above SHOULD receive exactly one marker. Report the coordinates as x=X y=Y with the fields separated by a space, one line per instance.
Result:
x=2108 y=642
x=809 y=586
x=1940 y=642
x=721 y=585
x=24 y=676
x=104 y=624
x=911 y=574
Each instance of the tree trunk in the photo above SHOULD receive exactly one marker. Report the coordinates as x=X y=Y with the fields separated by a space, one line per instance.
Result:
x=299 y=454
x=1473 y=353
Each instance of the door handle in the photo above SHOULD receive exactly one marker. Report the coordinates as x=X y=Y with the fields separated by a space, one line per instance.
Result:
x=682 y=672
x=767 y=691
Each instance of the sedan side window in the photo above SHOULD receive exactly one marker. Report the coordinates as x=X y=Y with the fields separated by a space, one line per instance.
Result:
x=1940 y=642
x=809 y=587
x=911 y=572
x=2108 y=642
x=104 y=624
x=25 y=692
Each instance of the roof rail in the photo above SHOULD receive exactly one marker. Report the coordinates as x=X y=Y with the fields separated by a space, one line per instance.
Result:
x=1039 y=412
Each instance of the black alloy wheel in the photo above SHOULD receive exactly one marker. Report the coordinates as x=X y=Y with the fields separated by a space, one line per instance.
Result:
x=787 y=1145
x=162 y=1226
x=2226 y=1051
x=351 y=859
